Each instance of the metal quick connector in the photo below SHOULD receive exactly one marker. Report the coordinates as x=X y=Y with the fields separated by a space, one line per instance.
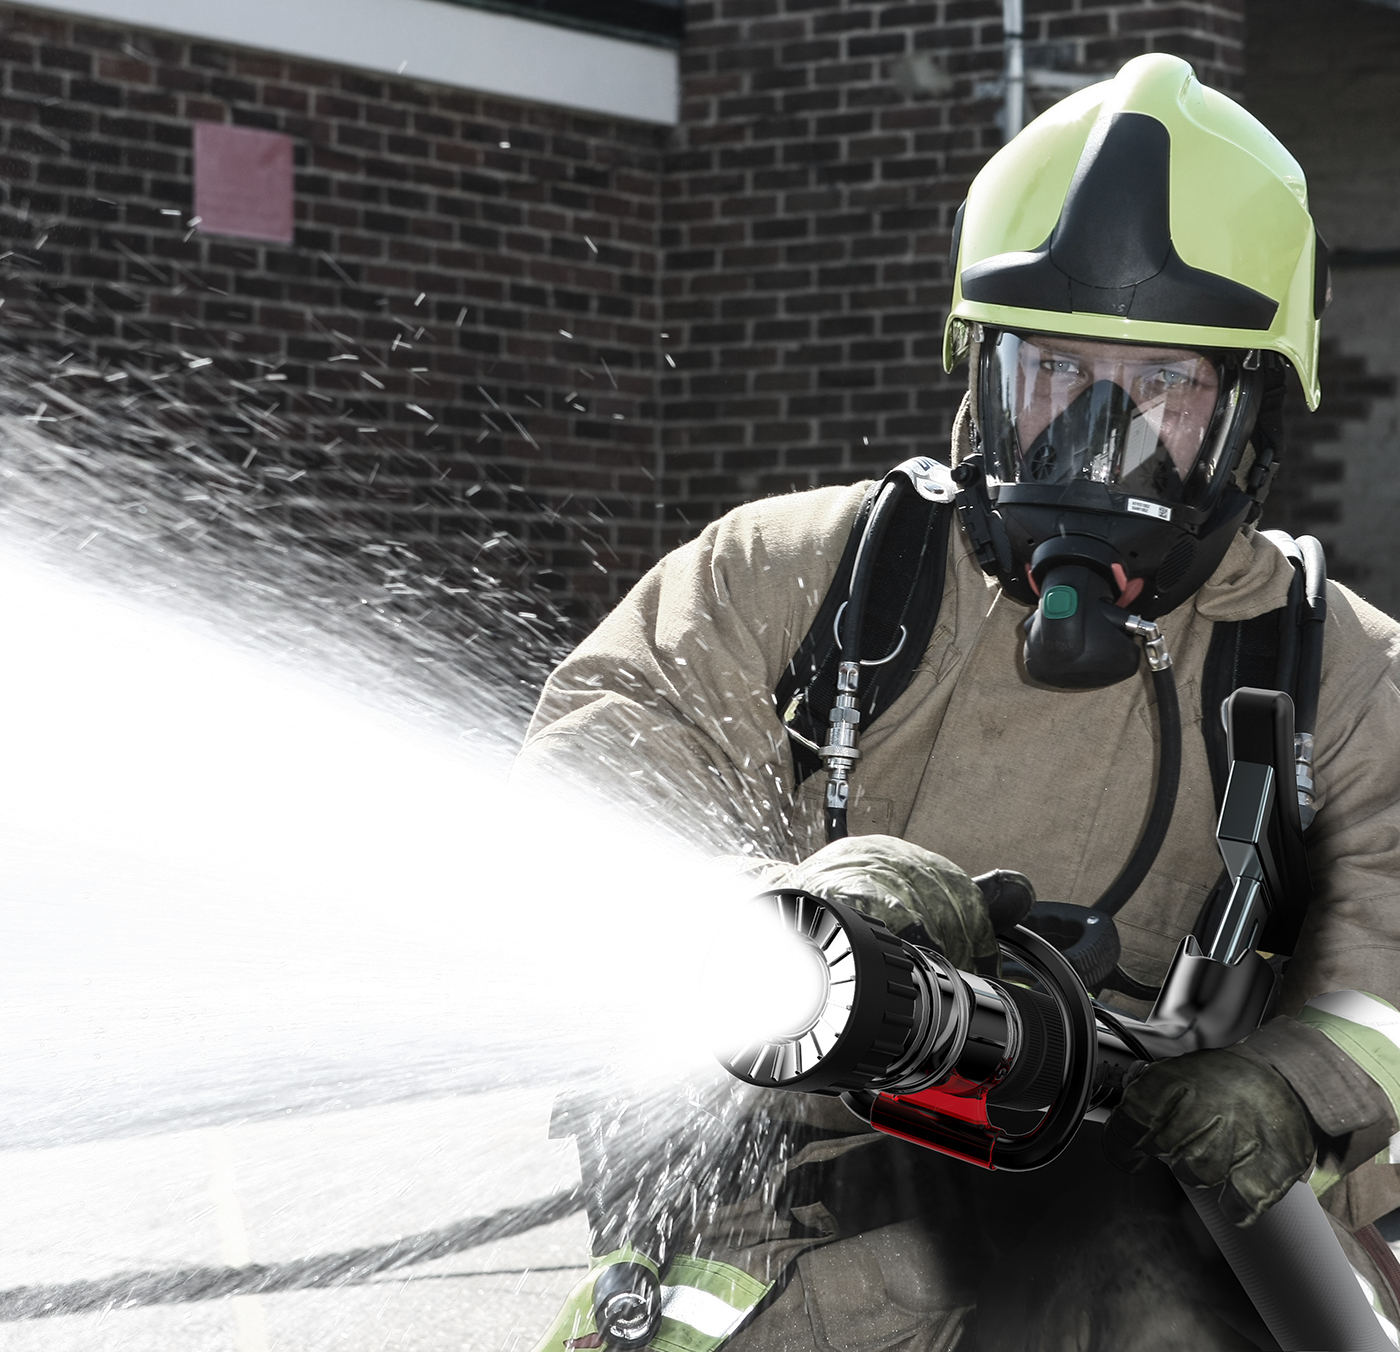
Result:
x=840 y=752
x=1302 y=761
x=1158 y=658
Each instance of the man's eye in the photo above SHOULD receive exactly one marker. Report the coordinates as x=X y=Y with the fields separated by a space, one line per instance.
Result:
x=1060 y=366
x=1173 y=380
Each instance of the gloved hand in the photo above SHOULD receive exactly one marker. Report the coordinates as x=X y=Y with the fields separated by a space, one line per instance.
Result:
x=1216 y=1117
x=1253 y=1117
x=916 y=893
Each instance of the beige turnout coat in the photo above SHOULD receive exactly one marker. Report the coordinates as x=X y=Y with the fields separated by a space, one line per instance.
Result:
x=670 y=702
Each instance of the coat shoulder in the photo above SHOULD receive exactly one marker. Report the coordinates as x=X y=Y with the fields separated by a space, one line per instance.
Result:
x=1360 y=626
x=1361 y=647
x=761 y=559
x=790 y=527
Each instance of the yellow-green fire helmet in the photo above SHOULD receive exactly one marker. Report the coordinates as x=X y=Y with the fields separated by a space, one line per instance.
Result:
x=1147 y=208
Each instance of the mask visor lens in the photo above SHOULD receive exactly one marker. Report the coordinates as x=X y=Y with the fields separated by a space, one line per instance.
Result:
x=1134 y=418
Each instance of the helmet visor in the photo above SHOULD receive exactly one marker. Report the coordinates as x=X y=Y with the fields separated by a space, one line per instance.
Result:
x=1147 y=421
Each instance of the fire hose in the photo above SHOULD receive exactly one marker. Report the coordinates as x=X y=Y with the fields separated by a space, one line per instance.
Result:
x=350 y=1267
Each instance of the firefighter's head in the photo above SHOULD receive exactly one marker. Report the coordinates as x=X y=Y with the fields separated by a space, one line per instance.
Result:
x=1133 y=276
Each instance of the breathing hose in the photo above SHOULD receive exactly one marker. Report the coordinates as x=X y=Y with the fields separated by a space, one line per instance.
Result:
x=1314 y=621
x=1168 y=782
x=852 y=623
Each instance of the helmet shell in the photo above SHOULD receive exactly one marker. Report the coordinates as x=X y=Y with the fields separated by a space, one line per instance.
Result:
x=1148 y=209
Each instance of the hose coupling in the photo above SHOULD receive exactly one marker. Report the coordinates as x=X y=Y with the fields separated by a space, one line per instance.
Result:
x=1302 y=761
x=840 y=753
x=1153 y=642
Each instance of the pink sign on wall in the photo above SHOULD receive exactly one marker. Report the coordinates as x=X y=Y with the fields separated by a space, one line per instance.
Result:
x=243 y=182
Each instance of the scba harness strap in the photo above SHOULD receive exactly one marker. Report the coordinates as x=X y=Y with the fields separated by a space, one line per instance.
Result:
x=1279 y=650
x=906 y=593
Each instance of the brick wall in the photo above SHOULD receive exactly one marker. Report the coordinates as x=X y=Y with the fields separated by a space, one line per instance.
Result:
x=401 y=364
x=1325 y=486
x=1321 y=76
x=808 y=202
x=602 y=317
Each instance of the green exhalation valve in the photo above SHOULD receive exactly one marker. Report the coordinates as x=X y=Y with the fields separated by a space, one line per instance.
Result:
x=1059 y=603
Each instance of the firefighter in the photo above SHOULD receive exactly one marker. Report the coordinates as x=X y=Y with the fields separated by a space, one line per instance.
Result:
x=1136 y=275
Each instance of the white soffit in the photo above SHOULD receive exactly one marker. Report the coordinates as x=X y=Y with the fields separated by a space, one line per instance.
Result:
x=432 y=40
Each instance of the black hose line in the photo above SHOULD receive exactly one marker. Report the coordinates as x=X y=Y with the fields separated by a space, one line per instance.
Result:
x=1163 y=800
x=1295 y=1273
x=852 y=622
x=174 y=1286
x=1310 y=640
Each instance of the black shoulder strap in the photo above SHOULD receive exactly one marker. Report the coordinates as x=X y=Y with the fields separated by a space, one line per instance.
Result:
x=1241 y=653
x=1262 y=652
x=905 y=595
x=1268 y=653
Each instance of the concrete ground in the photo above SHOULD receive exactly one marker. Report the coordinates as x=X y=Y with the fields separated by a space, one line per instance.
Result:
x=290 y=1189
x=294 y=1188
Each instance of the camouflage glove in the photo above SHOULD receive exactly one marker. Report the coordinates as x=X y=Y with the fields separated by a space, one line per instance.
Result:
x=918 y=894
x=1254 y=1116
x=1215 y=1118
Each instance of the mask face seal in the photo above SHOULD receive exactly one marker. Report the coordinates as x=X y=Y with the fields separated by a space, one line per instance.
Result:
x=1109 y=468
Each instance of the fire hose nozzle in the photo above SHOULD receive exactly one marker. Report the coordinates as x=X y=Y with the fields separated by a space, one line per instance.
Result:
x=883 y=1022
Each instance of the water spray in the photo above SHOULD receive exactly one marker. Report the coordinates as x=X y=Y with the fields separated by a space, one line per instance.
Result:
x=256 y=837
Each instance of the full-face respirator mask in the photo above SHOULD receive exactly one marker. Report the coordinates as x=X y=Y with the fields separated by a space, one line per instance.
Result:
x=1106 y=486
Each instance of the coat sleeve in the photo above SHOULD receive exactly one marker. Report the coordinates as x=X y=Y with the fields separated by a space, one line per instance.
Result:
x=1351 y=938
x=668 y=704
